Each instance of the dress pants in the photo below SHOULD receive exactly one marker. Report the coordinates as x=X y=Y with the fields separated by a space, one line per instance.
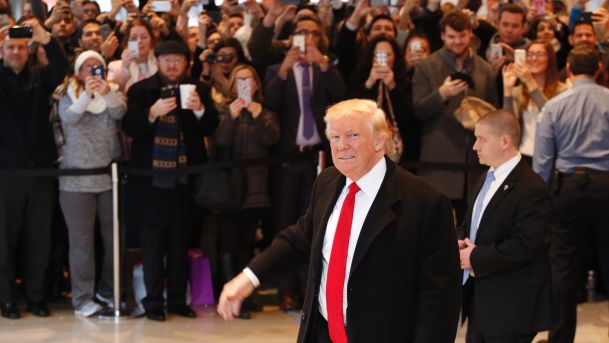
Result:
x=26 y=211
x=473 y=335
x=580 y=208
x=165 y=256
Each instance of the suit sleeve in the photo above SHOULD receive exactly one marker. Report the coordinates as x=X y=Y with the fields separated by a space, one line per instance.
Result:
x=289 y=249
x=526 y=241
x=439 y=288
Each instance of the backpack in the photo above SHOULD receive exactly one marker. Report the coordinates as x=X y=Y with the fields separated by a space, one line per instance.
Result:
x=55 y=120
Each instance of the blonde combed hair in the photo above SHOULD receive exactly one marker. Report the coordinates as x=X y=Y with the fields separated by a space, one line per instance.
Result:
x=368 y=110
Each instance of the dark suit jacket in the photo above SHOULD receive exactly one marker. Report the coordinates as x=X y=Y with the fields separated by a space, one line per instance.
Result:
x=282 y=97
x=145 y=203
x=510 y=262
x=404 y=282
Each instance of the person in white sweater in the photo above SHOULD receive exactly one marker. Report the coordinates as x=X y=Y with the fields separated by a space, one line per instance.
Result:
x=90 y=112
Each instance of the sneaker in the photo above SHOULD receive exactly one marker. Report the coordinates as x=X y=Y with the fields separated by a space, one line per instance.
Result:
x=108 y=302
x=88 y=309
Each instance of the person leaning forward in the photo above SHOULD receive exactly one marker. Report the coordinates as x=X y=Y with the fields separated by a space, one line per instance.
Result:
x=383 y=263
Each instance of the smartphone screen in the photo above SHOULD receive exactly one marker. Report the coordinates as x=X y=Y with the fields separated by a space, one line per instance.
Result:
x=377 y=3
x=244 y=90
x=381 y=57
x=133 y=47
x=299 y=41
x=161 y=6
x=520 y=56
x=105 y=31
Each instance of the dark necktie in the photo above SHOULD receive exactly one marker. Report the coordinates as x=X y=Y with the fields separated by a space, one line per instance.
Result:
x=308 y=123
x=337 y=268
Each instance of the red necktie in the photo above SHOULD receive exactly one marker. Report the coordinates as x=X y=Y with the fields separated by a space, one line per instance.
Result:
x=337 y=266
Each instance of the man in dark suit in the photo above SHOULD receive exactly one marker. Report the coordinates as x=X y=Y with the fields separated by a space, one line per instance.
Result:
x=383 y=264
x=299 y=90
x=503 y=242
x=167 y=134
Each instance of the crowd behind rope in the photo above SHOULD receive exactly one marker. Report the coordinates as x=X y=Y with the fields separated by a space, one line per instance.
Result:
x=263 y=75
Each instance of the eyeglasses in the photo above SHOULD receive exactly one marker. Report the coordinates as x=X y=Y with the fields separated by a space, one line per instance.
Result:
x=169 y=60
x=225 y=58
x=538 y=54
x=315 y=34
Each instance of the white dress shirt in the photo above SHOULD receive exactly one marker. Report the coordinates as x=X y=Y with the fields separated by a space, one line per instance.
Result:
x=300 y=138
x=369 y=186
x=501 y=173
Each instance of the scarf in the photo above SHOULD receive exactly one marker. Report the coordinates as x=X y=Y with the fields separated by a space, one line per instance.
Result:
x=97 y=105
x=134 y=71
x=168 y=151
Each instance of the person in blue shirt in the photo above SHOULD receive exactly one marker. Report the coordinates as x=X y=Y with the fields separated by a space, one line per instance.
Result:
x=572 y=155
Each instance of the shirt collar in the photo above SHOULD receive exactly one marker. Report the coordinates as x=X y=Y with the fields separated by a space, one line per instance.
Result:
x=371 y=181
x=583 y=81
x=503 y=170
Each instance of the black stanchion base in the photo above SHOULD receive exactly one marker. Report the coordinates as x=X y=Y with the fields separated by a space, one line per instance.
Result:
x=115 y=316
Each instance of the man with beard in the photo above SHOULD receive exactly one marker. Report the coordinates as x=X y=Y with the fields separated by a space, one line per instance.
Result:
x=439 y=86
x=166 y=136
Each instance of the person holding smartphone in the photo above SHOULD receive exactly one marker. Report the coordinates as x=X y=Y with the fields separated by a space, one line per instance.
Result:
x=247 y=129
x=538 y=83
x=137 y=60
x=90 y=112
x=381 y=76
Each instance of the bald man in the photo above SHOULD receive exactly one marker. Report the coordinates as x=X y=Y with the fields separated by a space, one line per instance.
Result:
x=503 y=241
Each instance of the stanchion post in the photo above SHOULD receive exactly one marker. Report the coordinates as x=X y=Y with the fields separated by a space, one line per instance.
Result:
x=117 y=314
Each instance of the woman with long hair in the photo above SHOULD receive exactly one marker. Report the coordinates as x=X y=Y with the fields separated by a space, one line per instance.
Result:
x=381 y=76
x=90 y=112
x=247 y=129
x=135 y=65
x=218 y=63
x=539 y=82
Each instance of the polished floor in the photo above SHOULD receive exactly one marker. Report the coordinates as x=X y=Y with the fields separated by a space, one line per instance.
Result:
x=270 y=326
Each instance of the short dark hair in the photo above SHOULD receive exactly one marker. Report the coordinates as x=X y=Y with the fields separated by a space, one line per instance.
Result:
x=84 y=24
x=514 y=9
x=584 y=60
x=380 y=17
x=306 y=18
x=456 y=20
x=86 y=2
x=577 y=23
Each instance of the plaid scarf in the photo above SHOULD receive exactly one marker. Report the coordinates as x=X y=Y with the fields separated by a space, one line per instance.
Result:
x=168 y=152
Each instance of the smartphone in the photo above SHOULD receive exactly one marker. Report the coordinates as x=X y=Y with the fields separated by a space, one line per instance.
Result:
x=98 y=71
x=377 y=3
x=380 y=57
x=496 y=50
x=133 y=47
x=105 y=31
x=457 y=75
x=193 y=15
x=216 y=16
x=416 y=46
x=299 y=41
x=161 y=6
x=244 y=90
x=520 y=56
x=169 y=92
x=20 y=32
x=585 y=17
x=291 y=2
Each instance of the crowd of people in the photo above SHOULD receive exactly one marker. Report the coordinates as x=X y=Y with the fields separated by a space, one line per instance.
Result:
x=187 y=83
